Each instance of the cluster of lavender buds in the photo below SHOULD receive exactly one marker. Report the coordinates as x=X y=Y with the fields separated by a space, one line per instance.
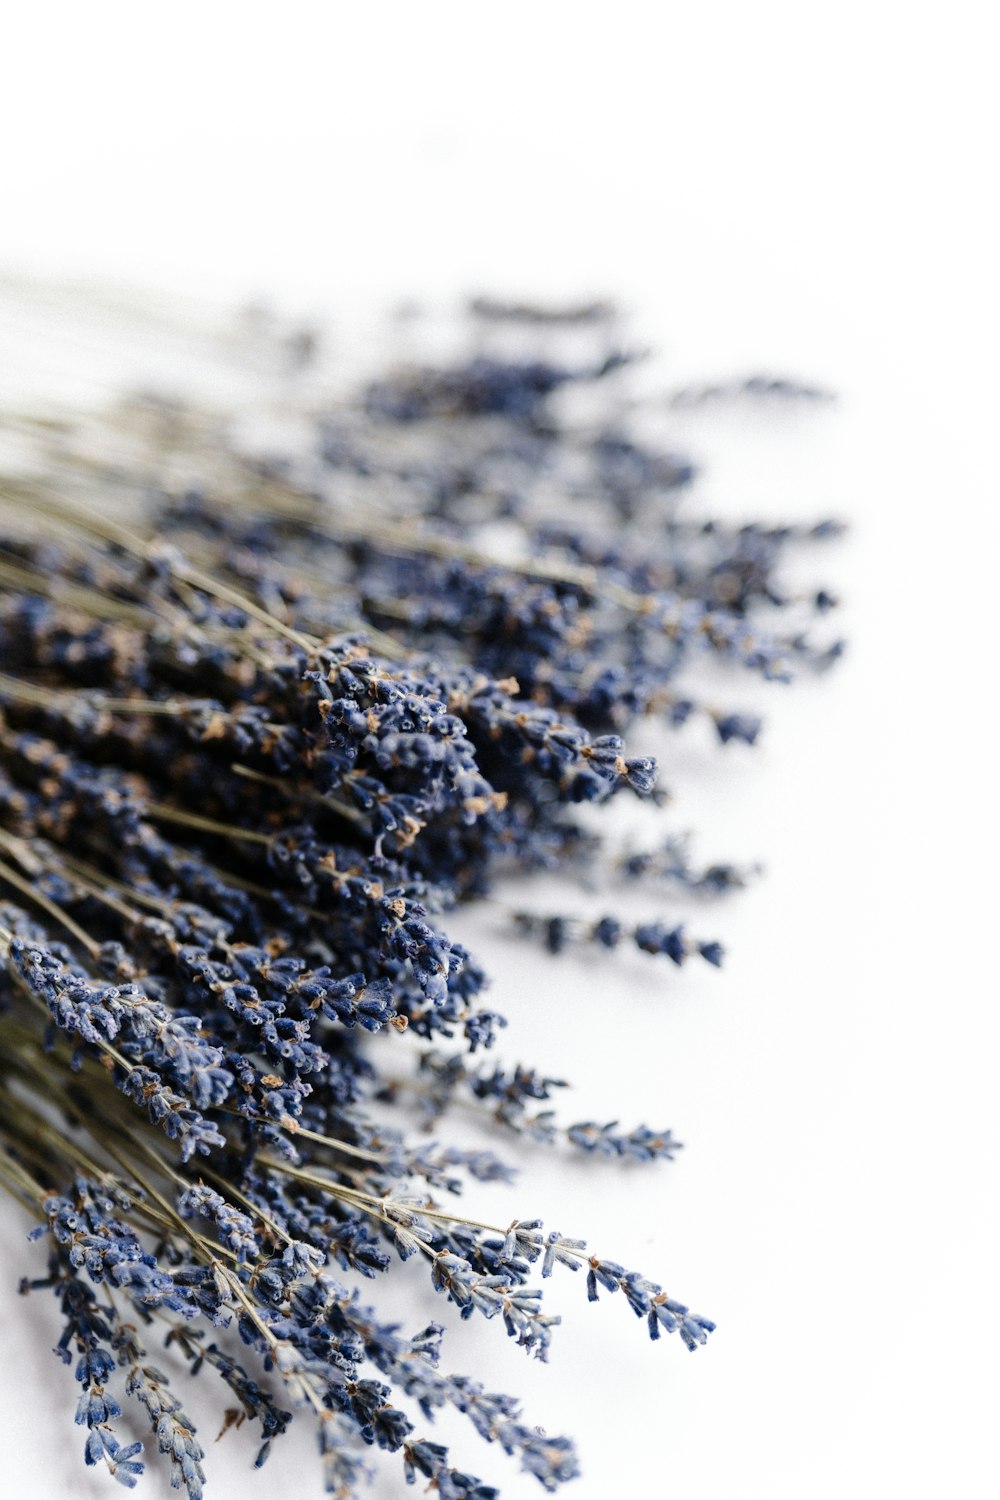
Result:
x=266 y=717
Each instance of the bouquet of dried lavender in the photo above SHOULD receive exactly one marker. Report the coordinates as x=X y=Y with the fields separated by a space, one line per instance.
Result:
x=258 y=734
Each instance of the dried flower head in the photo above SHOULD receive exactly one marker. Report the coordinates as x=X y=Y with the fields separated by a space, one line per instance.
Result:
x=258 y=736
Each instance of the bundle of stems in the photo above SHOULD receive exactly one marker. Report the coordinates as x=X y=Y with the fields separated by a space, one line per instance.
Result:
x=258 y=735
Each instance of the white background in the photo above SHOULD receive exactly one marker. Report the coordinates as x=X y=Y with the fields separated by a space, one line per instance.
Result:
x=801 y=188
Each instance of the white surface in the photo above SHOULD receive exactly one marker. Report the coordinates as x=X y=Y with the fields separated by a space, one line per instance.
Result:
x=769 y=186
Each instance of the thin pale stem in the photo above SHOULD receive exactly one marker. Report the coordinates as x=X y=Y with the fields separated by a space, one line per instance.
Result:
x=10 y=875
x=163 y=812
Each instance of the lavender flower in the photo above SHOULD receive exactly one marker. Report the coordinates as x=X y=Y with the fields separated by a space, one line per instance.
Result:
x=255 y=748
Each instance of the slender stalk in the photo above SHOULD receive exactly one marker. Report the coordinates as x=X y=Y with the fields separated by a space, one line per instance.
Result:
x=163 y=812
x=10 y=875
x=308 y=793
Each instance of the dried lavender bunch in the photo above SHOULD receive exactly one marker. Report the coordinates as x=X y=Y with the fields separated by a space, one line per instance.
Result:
x=258 y=736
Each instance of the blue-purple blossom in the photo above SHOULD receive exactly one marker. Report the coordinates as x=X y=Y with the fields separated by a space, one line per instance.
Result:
x=258 y=747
